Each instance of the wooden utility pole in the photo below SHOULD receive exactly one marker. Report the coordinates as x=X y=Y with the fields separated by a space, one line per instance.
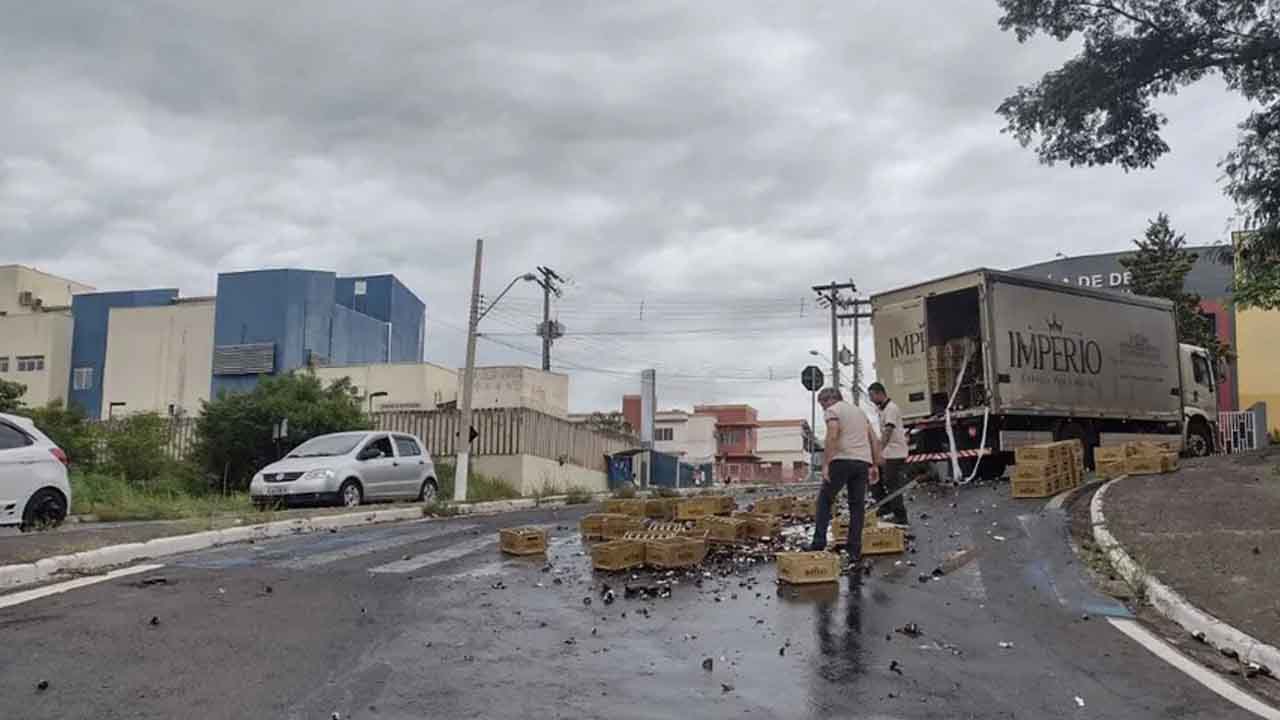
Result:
x=463 y=465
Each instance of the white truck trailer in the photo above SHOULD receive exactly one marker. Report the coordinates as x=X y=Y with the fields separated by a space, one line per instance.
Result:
x=986 y=361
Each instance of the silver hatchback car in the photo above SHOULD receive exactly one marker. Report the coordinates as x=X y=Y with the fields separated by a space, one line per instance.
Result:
x=349 y=468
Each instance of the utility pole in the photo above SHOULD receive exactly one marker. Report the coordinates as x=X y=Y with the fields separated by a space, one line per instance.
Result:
x=832 y=297
x=463 y=465
x=547 y=330
x=861 y=310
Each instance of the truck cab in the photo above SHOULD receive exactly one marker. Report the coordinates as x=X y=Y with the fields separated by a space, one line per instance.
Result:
x=1199 y=400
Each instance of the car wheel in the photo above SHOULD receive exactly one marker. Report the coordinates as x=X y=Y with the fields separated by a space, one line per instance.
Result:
x=350 y=494
x=46 y=509
x=428 y=492
x=1199 y=442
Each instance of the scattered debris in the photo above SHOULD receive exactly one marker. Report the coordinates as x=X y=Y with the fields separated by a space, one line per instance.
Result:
x=586 y=601
x=708 y=664
x=726 y=687
x=911 y=630
x=1079 y=701
x=593 y=632
x=1005 y=645
x=608 y=597
x=1257 y=550
x=42 y=685
x=149 y=582
x=571 y=641
x=1085 y=617
x=268 y=590
x=998 y=538
x=895 y=667
x=155 y=620
x=937 y=572
x=557 y=581
x=782 y=651
x=499 y=585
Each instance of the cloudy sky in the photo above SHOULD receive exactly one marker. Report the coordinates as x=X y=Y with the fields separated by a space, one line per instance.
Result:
x=692 y=168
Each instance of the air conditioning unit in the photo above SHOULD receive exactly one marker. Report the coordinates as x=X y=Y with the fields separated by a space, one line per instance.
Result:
x=25 y=298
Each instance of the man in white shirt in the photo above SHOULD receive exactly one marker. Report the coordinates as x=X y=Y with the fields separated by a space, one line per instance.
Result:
x=893 y=437
x=850 y=458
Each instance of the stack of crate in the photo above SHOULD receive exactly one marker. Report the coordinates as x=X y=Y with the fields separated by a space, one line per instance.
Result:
x=1135 y=458
x=1047 y=469
x=945 y=362
x=760 y=525
x=780 y=506
x=625 y=506
x=877 y=538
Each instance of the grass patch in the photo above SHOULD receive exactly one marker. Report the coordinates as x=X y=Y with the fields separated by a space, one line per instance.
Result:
x=578 y=496
x=625 y=492
x=112 y=498
x=480 y=487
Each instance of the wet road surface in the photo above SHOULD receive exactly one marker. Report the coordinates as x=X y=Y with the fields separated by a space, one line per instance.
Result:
x=427 y=619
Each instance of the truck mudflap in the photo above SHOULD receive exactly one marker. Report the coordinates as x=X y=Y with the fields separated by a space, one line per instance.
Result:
x=936 y=456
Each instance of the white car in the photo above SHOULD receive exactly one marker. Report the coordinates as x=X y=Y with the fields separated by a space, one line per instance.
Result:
x=34 y=491
x=349 y=468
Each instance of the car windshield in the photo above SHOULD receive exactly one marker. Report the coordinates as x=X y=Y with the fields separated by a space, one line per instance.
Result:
x=327 y=446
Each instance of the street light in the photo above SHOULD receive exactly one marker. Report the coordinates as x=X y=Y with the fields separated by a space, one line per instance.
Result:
x=527 y=277
x=372 y=395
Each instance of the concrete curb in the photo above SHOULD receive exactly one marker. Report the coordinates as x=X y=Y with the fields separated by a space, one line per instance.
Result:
x=1172 y=605
x=15 y=576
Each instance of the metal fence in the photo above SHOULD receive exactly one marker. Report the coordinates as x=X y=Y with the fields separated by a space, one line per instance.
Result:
x=509 y=431
x=1239 y=431
x=180 y=436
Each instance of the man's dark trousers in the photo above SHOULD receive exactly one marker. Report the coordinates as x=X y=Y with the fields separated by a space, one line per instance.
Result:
x=891 y=479
x=852 y=476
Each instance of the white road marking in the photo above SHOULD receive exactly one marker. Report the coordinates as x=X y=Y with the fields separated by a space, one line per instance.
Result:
x=453 y=552
x=368 y=548
x=28 y=595
x=1200 y=674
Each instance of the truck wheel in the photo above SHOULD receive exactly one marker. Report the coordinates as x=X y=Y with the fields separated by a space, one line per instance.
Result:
x=1199 y=441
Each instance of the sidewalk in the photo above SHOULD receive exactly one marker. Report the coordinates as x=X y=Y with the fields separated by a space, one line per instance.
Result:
x=1211 y=532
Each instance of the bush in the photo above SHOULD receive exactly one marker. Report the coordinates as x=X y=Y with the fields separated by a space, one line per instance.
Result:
x=578 y=496
x=112 y=498
x=233 y=432
x=480 y=488
x=70 y=429
x=135 y=448
x=626 y=491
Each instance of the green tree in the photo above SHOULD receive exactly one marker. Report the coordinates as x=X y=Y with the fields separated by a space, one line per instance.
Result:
x=233 y=432
x=1159 y=268
x=70 y=429
x=1097 y=108
x=135 y=446
x=11 y=396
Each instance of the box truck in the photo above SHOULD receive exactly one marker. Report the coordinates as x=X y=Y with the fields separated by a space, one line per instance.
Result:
x=986 y=361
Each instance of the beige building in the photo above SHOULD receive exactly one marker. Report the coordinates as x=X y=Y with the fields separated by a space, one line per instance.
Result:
x=408 y=386
x=25 y=290
x=688 y=435
x=35 y=351
x=159 y=358
x=514 y=386
x=782 y=446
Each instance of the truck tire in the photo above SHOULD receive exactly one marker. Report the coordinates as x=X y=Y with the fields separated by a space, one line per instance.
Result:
x=1199 y=439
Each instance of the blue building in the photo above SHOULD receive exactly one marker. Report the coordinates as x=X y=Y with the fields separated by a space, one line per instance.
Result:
x=168 y=353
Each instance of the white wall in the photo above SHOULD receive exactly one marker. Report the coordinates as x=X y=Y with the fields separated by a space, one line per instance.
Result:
x=45 y=334
x=496 y=387
x=159 y=356
x=53 y=291
x=692 y=436
x=529 y=473
x=410 y=386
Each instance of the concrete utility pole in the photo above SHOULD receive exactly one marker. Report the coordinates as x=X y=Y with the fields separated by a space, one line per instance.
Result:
x=861 y=310
x=547 y=330
x=463 y=466
x=832 y=297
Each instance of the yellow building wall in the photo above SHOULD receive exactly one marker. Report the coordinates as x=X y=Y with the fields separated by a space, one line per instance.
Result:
x=44 y=334
x=51 y=290
x=159 y=356
x=1258 y=366
x=409 y=386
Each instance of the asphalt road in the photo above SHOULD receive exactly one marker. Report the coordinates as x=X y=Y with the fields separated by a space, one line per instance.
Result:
x=427 y=619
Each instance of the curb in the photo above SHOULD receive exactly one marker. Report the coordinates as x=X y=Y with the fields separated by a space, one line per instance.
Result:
x=15 y=576
x=1169 y=603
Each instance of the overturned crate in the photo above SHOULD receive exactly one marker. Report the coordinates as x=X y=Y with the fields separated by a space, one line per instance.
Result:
x=525 y=540
x=696 y=508
x=617 y=555
x=625 y=506
x=760 y=525
x=592 y=526
x=723 y=531
x=802 y=568
x=675 y=552
x=615 y=526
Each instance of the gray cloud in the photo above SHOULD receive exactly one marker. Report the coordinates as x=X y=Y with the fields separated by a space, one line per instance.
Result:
x=665 y=151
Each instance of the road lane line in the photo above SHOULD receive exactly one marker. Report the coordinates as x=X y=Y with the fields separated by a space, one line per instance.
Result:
x=1202 y=675
x=453 y=552
x=28 y=595
x=371 y=547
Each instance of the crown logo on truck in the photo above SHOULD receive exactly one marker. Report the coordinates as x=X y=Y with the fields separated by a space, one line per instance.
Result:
x=1053 y=323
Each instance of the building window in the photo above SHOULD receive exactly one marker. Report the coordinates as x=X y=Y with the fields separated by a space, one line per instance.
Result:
x=30 y=363
x=4 y=364
x=82 y=378
x=663 y=434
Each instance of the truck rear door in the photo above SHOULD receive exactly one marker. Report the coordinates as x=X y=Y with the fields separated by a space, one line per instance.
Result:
x=900 y=355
